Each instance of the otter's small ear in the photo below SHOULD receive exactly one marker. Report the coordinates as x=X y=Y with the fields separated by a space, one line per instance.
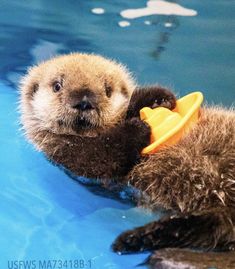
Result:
x=108 y=90
x=124 y=91
x=33 y=89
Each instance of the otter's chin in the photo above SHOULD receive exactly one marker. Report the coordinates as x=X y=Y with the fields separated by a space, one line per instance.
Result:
x=81 y=123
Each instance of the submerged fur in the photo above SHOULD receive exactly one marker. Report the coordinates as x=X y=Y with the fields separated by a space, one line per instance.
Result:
x=194 y=178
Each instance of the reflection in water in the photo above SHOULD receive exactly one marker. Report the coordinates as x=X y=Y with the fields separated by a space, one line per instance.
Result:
x=24 y=46
x=34 y=32
x=167 y=25
x=41 y=29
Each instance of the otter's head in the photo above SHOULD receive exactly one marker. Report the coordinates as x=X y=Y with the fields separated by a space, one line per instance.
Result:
x=74 y=94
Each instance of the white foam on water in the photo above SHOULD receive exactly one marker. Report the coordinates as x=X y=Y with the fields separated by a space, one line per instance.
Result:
x=98 y=10
x=168 y=24
x=147 y=22
x=158 y=7
x=124 y=23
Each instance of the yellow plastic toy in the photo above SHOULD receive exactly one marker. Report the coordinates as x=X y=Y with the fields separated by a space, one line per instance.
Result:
x=168 y=126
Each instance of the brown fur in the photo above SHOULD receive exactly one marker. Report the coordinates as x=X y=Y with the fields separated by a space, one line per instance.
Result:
x=103 y=147
x=185 y=259
x=202 y=164
x=194 y=178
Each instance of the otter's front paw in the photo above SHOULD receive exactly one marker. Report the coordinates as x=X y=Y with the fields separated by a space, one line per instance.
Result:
x=160 y=97
x=139 y=132
x=128 y=242
x=152 y=97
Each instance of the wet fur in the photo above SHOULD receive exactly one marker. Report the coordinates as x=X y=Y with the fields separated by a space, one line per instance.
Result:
x=195 y=178
x=186 y=259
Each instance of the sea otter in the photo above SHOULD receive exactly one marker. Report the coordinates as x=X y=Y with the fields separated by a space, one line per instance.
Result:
x=82 y=111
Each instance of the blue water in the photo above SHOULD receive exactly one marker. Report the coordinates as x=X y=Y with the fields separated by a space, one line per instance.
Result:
x=44 y=214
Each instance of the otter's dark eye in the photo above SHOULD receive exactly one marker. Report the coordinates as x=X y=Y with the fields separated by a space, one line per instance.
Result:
x=57 y=87
x=108 y=90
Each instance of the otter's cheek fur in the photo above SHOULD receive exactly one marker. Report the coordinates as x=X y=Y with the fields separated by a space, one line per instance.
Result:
x=116 y=109
x=42 y=104
x=119 y=100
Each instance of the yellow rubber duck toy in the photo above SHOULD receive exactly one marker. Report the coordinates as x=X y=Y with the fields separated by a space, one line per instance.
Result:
x=169 y=126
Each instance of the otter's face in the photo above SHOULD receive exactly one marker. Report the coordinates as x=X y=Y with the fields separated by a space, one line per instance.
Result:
x=75 y=94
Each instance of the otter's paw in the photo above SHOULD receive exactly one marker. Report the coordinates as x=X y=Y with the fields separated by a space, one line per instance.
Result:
x=139 y=132
x=127 y=242
x=138 y=239
x=152 y=97
x=160 y=97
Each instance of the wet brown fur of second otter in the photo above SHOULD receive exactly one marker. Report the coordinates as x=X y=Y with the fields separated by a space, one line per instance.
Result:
x=194 y=178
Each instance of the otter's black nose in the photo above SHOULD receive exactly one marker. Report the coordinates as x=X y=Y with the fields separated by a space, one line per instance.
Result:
x=82 y=99
x=83 y=104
